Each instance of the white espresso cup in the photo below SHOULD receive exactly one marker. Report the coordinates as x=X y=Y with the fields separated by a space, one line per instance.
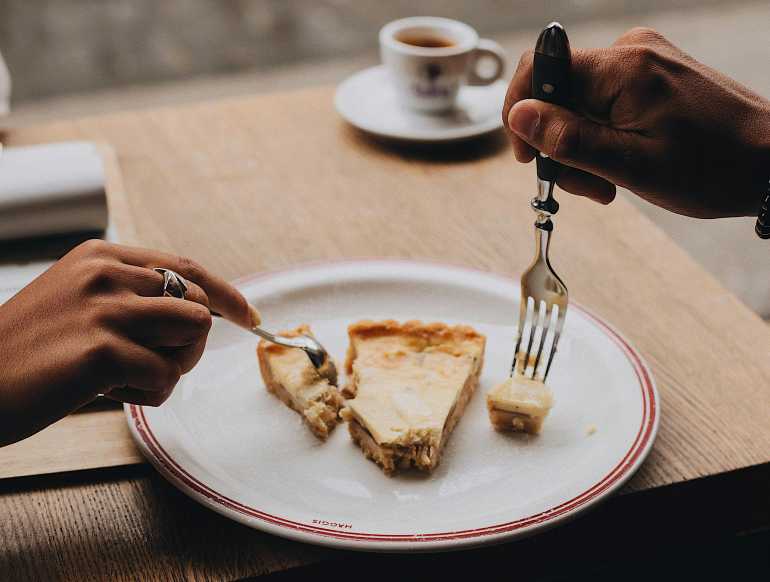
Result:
x=430 y=58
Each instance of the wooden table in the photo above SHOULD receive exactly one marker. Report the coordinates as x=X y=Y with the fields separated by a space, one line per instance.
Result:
x=258 y=183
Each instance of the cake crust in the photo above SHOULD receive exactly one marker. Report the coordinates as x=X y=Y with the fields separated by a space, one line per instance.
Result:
x=421 y=334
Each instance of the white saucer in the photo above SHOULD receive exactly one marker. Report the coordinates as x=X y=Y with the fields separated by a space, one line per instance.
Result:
x=367 y=100
x=236 y=449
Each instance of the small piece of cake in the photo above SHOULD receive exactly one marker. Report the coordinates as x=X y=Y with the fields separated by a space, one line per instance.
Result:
x=519 y=405
x=408 y=387
x=289 y=374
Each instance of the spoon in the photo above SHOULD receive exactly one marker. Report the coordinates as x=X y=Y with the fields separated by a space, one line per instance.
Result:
x=315 y=352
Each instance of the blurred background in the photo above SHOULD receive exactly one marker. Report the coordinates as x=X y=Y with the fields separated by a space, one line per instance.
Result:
x=78 y=57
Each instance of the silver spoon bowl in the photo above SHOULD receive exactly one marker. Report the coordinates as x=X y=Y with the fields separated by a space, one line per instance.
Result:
x=317 y=354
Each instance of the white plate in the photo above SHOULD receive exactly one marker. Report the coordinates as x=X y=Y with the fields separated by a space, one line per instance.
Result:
x=367 y=100
x=223 y=440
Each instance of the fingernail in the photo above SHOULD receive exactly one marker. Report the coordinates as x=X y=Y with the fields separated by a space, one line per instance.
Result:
x=256 y=318
x=524 y=121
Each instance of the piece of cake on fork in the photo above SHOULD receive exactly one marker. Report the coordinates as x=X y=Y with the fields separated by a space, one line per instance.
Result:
x=519 y=404
x=408 y=386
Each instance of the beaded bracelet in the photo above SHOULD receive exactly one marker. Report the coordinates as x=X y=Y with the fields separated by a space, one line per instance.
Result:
x=762 y=227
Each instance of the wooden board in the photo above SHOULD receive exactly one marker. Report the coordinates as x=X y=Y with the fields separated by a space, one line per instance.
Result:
x=89 y=439
x=117 y=201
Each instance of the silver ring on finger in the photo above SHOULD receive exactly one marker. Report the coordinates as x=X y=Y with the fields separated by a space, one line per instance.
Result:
x=174 y=285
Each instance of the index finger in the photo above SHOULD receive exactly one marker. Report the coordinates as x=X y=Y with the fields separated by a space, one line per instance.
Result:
x=223 y=297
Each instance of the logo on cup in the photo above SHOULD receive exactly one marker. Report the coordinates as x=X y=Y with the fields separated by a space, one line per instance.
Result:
x=427 y=85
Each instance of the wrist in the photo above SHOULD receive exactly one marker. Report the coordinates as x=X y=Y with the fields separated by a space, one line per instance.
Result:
x=759 y=164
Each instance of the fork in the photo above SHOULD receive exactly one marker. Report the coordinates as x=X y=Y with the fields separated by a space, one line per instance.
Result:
x=543 y=308
x=544 y=296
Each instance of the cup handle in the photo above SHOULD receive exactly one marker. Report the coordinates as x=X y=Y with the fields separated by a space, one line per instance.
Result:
x=486 y=49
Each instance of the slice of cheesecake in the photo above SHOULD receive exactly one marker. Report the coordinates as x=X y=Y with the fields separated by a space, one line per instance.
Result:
x=519 y=405
x=408 y=387
x=289 y=375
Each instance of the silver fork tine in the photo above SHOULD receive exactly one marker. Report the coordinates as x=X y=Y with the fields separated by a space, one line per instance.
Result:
x=523 y=313
x=543 y=336
x=556 y=336
x=536 y=309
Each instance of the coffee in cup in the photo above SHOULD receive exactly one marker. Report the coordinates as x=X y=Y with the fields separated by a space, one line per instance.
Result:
x=425 y=40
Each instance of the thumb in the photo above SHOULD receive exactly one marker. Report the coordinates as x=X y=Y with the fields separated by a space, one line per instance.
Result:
x=575 y=141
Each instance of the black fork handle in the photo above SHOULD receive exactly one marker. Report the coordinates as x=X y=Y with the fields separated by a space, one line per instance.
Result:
x=551 y=82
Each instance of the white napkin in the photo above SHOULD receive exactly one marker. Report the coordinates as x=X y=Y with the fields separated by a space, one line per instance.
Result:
x=51 y=189
x=54 y=189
